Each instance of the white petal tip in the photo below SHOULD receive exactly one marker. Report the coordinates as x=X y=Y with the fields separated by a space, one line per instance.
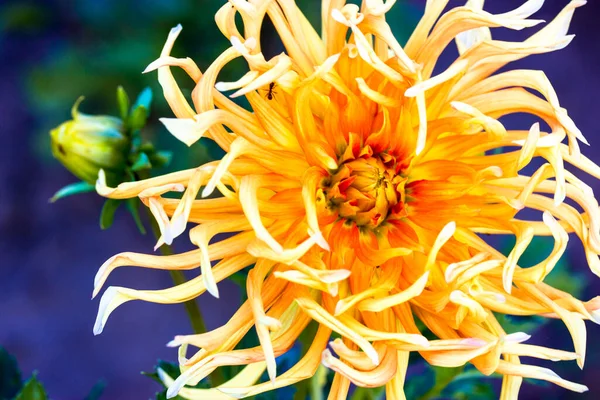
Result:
x=559 y=198
x=338 y=309
x=221 y=86
x=178 y=225
x=333 y=289
x=207 y=191
x=98 y=328
x=411 y=92
x=507 y=284
x=422 y=341
x=595 y=315
x=176 y=29
x=500 y=298
x=517 y=337
x=420 y=149
x=105 y=301
x=101 y=181
x=449 y=275
x=272 y=370
x=159 y=243
x=162 y=375
x=325 y=356
x=373 y=356
x=213 y=291
x=99 y=278
x=320 y=240
x=336 y=276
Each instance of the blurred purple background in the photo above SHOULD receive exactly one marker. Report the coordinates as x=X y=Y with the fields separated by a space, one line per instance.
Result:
x=49 y=253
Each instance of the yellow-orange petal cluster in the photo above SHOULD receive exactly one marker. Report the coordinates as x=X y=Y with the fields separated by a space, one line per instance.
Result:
x=357 y=186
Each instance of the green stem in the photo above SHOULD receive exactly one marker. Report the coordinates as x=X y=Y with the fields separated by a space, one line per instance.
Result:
x=318 y=382
x=191 y=307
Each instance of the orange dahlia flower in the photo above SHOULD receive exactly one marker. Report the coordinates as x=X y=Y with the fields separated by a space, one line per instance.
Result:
x=357 y=186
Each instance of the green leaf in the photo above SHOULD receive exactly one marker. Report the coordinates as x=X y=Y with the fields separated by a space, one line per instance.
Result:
x=144 y=99
x=96 y=391
x=161 y=159
x=32 y=390
x=472 y=385
x=107 y=215
x=443 y=377
x=140 y=110
x=10 y=375
x=137 y=118
x=123 y=102
x=136 y=142
x=71 y=189
x=132 y=206
x=141 y=162
x=147 y=147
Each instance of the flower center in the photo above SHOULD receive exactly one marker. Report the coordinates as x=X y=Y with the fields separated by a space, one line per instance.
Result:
x=366 y=190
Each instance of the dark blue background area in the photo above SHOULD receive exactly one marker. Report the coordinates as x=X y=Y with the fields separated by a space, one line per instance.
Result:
x=49 y=253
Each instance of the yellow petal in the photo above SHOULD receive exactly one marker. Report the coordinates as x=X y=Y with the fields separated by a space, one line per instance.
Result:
x=380 y=304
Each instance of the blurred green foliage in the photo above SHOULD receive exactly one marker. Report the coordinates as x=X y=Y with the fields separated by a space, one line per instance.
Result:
x=13 y=387
x=10 y=375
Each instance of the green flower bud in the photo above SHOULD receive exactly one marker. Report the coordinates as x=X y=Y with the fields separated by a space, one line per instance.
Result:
x=88 y=143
